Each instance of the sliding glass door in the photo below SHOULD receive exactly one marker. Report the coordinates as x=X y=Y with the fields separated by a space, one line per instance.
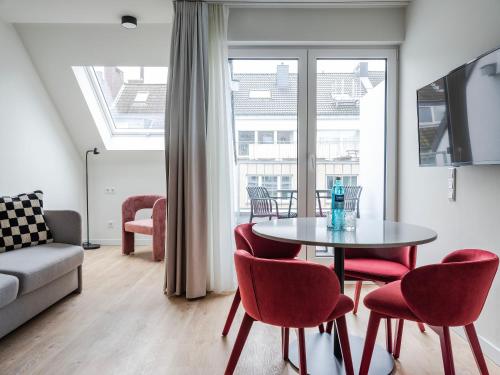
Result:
x=302 y=118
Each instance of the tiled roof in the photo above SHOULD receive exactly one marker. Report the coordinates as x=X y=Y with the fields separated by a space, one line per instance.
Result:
x=155 y=102
x=338 y=95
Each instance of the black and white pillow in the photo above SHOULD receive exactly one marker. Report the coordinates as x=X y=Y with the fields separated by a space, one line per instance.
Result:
x=22 y=223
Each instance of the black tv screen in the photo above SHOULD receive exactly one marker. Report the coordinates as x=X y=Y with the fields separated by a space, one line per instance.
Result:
x=459 y=115
x=433 y=133
x=474 y=108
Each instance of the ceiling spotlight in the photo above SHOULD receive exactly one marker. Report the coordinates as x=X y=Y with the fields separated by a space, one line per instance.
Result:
x=129 y=22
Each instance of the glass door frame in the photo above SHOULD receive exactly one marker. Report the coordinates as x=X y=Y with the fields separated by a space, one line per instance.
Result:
x=306 y=118
x=390 y=152
x=301 y=56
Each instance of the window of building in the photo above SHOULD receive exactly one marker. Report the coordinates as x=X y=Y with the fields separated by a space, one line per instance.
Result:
x=259 y=94
x=286 y=182
x=252 y=181
x=266 y=137
x=141 y=96
x=270 y=183
x=346 y=180
x=425 y=114
x=285 y=137
x=245 y=138
x=126 y=101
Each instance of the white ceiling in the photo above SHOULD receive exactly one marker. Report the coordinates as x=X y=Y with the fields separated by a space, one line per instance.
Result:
x=146 y=11
x=85 y=11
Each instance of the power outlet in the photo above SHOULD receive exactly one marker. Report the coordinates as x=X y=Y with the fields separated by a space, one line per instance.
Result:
x=111 y=224
x=109 y=190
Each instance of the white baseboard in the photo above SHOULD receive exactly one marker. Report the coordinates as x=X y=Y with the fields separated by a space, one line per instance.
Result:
x=118 y=242
x=489 y=349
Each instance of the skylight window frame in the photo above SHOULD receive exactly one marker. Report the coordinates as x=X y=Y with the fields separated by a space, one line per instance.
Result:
x=101 y=100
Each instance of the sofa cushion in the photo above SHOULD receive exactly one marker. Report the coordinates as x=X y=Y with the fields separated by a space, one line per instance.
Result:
x=39 y=265
x=22 y=223
x=144 y=226
x=9 y=286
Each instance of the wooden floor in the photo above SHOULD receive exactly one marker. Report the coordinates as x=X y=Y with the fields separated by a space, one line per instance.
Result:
x=123 y=324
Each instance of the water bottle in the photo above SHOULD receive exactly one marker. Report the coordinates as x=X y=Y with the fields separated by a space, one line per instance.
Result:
x=338 y=205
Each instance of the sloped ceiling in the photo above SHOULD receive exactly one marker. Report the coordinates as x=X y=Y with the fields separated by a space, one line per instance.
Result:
x=55 y=48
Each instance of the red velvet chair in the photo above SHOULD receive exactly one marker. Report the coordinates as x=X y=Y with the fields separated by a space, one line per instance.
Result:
x=443 y=295
x=381 y=266
x=153 y=227
x=289 y=294
x=261 y=248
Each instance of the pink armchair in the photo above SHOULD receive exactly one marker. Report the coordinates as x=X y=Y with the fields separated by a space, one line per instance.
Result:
x=153 y=227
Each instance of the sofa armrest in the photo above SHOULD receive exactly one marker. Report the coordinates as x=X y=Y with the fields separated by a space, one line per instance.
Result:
x=65 y=225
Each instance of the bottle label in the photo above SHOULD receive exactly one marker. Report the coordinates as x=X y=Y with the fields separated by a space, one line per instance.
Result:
x=338 y=198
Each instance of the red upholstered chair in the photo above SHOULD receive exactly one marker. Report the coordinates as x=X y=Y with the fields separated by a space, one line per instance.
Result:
x=261 y=248
x=443 y=295
x=382 y=265
x=289 y=294
x=153 y=227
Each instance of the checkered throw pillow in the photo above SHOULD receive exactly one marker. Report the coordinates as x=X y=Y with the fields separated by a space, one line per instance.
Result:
x=22 y=223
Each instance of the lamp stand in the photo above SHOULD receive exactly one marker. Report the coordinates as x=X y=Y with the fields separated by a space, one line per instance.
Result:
x=87 y=245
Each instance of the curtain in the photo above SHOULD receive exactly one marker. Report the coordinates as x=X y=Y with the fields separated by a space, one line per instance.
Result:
x=185 y=151
x=220 y=157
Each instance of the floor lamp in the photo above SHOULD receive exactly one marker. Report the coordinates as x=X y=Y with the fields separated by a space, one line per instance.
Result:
x=87 y=245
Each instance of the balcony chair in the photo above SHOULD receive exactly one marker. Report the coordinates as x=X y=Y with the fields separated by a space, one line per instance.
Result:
x=444 y=295
x=381 y=266
x=352 y=195
x=155 y=226
x=263 y=205
x=289 y=294
x=261 y=248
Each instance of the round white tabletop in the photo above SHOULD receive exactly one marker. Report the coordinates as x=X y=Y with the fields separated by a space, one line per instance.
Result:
x=368 y=233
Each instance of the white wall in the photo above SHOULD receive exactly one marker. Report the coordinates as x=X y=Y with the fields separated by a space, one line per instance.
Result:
x=55 y=48
x=440 y=36
x=316 y=26
x=36 y=151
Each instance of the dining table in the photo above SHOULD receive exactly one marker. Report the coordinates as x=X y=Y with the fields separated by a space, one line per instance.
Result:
x=324 y=355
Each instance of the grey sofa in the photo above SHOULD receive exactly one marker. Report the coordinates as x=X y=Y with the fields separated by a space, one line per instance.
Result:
x=34 y=278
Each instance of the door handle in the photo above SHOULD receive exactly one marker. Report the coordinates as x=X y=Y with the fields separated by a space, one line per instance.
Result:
x=312 y=159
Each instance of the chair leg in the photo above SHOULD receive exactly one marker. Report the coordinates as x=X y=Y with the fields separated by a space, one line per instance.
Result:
x=344 y=345
x=446 y=351
x=302 y=352
x=476 y=348
x=321 y=328
x=388 y=328
x=232 y=312
x=399 y=336
x=127 y=242
x=329 y=327
x=357 y=293
x=246 y=325
x=371 y=336
x=421 y=327
x=285 y=339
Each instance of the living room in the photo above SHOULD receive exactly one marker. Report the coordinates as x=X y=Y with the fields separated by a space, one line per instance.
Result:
x=154 y=152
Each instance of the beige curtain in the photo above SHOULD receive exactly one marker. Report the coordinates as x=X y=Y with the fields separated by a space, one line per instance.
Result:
x=185 y=151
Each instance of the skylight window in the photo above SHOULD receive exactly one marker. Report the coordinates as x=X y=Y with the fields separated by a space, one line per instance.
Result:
x=259 y=94
x=141 y=96
x=126 y=101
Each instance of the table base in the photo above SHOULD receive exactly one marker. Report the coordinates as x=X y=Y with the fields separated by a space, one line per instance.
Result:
x=321 y=361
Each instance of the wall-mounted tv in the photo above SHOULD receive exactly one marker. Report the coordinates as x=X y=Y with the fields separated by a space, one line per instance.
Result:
x=459 y=115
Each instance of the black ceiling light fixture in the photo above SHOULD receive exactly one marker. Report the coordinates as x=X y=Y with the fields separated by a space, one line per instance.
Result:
x=129 y=22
